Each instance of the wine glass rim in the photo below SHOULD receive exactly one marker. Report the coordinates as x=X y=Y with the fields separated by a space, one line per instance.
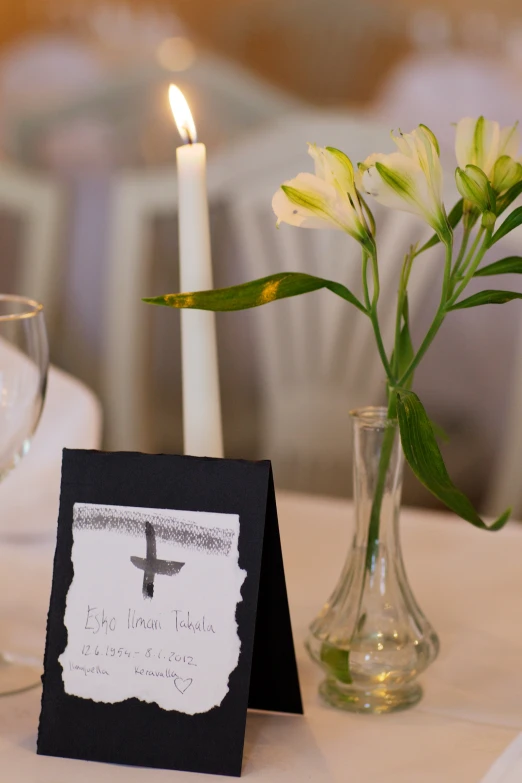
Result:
x=33 y=307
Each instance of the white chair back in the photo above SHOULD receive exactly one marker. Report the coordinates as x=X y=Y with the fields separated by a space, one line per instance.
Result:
x=317 y=354
x=505 y=489
x=38 y=201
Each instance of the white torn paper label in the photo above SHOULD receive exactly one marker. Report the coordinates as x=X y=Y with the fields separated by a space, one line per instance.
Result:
x=151 y=610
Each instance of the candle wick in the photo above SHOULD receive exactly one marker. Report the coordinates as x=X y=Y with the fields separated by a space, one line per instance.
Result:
x=188 y=135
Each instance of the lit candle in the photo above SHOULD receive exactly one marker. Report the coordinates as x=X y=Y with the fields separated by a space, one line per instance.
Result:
x=202 y=431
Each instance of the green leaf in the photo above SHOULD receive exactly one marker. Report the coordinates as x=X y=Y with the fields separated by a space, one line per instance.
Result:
x=454 y=219
x=505 y=201
x=424 y=457
x=337 y=662
x=506 y=266
x=513 y=220
x=486 y=297
x=255 y=293
x=439 y=432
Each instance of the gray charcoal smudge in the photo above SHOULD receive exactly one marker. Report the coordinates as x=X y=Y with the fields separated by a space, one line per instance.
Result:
x=132 y=522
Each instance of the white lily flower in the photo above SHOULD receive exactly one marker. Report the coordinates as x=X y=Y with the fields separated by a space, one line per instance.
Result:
x=480 y=142
x=326 y=199
x=411 y=179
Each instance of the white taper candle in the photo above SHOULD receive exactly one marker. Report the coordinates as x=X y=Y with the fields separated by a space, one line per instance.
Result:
x=202 y=429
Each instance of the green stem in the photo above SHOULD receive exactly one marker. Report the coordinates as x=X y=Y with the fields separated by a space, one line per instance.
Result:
x=384 y=462
x=380 y=346
x=375 y=321
x=403 y=284
x=464 y=266
x=389 y=435
x=462 y=251
x=447 y=275
x=376 y=281
x=437 y=321
x=365 y=281
x=398 y=322
x=472 y=268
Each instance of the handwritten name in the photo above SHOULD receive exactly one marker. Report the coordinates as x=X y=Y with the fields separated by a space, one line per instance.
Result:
x=136 y=621
x=184 y=622
x=98 y=622
x=87 y=670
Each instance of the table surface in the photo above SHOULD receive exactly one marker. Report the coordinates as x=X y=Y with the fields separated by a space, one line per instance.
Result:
x=468 y=584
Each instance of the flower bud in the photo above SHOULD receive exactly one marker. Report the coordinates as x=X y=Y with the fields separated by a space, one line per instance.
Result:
x=506 y=173
x=474 y=186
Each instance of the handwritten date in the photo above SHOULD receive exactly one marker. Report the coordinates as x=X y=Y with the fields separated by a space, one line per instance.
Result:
x=107 y=651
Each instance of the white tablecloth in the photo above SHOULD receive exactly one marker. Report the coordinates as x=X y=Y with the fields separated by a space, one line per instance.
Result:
x=469 y=584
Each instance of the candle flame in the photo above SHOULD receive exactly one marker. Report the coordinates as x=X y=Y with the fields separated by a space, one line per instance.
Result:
x=182 y=115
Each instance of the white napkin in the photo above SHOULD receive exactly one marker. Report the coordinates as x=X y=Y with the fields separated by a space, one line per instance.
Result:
x=508 y=767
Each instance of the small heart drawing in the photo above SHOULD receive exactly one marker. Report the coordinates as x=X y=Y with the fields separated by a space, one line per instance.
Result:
x=181 y=684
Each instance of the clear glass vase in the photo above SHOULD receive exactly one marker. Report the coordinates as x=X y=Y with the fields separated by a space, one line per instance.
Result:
x=371 y=638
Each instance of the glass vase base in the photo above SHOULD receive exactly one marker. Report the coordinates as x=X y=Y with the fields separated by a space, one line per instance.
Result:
x=378 y=702
x=18 y=674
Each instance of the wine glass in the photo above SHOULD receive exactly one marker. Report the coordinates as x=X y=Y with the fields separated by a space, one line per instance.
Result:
x=24 y=361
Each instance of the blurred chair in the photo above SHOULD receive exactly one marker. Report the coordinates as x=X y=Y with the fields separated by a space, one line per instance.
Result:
x=37 y=201
x=505 y=487
x=438 y=88
x=317 y=357
x=506 y=483
x=122 y=106
x=136 y=198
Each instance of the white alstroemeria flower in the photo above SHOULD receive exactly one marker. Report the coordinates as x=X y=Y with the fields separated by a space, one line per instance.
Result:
x=480 y=142
x=335 y=167
x=326 y=199
x=411 y=179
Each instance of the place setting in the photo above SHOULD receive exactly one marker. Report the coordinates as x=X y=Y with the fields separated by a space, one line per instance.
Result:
x=261 y=502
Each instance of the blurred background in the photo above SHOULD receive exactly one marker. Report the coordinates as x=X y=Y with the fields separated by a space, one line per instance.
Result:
x=88 y=192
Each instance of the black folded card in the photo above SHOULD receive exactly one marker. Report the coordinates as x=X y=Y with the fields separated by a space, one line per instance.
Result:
x=168 y=614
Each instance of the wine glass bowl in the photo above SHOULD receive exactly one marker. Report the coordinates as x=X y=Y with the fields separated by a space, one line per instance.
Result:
x=24 y=362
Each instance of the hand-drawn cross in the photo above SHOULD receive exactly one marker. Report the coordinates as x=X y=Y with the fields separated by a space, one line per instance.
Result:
x=151 y=566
